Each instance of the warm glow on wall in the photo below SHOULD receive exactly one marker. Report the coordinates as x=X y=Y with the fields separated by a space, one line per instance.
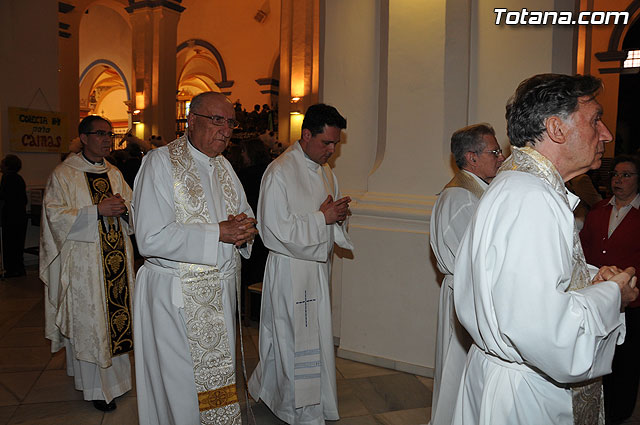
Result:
x=295 y=127
x=139 y=100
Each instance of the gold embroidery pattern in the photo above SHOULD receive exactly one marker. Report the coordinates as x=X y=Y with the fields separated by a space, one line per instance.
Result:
x=114 y=266
x=214 y=371
x=217 y=398
x=588 y=401
x=467 y=182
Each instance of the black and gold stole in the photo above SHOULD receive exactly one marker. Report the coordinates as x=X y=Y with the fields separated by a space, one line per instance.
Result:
x=114 y=266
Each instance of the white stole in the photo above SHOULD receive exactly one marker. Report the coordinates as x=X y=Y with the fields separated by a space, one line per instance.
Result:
x=305 y=278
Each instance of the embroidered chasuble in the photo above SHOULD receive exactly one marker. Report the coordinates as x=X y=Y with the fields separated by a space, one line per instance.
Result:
x=115 y=271
x=214 y=371
x=588 y=399
x=465 y=181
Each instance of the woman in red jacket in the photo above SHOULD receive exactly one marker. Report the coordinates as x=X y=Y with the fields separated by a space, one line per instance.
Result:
x=611 y=235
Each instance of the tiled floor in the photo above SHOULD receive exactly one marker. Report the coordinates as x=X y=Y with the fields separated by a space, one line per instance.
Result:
x=35 y=389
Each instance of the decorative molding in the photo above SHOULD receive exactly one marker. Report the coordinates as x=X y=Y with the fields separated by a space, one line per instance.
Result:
x=64 y=34
x=63 y=26
x=611 y=56
x=269 y=92
x=391 y=212
x=225 y=84
x=65 y=7
x=135 y=5
x=268 y=82
x=216 y=54
x=111 y=65
x=386 y=363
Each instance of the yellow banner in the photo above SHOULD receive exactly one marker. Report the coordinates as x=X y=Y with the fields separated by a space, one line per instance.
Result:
x=31 y=130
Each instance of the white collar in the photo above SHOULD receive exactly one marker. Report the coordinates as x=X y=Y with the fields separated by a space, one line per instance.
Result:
x=635 y=203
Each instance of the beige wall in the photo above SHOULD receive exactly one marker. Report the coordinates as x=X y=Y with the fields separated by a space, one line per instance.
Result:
x=29 y=26
x=427 y=68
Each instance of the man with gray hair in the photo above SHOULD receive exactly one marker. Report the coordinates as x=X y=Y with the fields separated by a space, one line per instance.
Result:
x=193 y=223
x=544 y=324
x=478 y=157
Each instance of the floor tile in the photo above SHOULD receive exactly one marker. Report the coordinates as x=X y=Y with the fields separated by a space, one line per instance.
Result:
x=427 y=382
x=33 y=317
x=399 y=391
x=125 y=414
x=6 y=413
x=358 y=420
x=58 y=361
x=23 y=358
x=405 y=417
x=63 y=413
x=8 y=398
x=350 y=369
x=261 y=414
x=18 y=384
x=53 y=386
x=349 y=405
x=24 y=337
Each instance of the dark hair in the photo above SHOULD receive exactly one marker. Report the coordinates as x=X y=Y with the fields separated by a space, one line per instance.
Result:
x=86 y=125
x=628 y=158
x=541 y=97
x=11 y=164
x=469 y=139
x=319 y=115
x=256 y=151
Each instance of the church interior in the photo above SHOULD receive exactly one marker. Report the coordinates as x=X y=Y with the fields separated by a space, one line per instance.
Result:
x=404 y=73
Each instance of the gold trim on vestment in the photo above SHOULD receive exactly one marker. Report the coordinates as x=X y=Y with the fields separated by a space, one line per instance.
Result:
x=465 y=181
x=587 y=397
x=214 y=399
x=115 y=270
x=213 y=368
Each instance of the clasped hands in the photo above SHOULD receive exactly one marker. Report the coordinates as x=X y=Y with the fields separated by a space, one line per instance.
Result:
x=113 y=206
x=335 y=211
x=625 y=279
x=238 y=230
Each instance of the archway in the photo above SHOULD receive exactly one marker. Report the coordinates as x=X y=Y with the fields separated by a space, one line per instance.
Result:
x=627 y=125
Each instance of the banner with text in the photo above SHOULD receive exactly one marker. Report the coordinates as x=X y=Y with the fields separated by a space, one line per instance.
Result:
x=31 y=130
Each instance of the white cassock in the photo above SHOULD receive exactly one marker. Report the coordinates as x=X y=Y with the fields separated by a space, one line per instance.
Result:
x=451 y=215
x=71 y=269
x=164 y=368
x=531 y=336
x=300 y=247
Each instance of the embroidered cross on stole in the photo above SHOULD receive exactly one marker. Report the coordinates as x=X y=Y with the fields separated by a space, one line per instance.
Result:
x=213 y=368
x=115 y=270
x=588 y=399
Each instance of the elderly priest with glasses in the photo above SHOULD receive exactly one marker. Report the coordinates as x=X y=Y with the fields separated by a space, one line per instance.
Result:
x=193 y=223
x=86 y=264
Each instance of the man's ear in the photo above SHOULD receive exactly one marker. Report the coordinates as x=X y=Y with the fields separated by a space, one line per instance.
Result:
x=556 y=128
x=306 y=134
x=83 y=139
x=472 y=159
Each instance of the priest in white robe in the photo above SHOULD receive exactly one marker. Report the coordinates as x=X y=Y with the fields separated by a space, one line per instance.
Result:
x=478 y=157
x=86 y=264
x=192 y=223
x=543 y=328
x=300 y=216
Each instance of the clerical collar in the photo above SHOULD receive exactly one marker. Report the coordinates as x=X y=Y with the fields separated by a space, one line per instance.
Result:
x=92 y=162
x=310 y=162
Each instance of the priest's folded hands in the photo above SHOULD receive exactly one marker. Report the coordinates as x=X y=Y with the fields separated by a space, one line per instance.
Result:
x=113 y=206
x=625 y=279
x=335 y=211
x=238 y=230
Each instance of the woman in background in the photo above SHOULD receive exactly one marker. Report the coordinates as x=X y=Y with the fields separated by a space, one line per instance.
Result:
x=611 y=235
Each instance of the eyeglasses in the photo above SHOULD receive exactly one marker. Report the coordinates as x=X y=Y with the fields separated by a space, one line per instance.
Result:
x=615 y=174
x=495 y=152
x=102 y=133
x=220 y=121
